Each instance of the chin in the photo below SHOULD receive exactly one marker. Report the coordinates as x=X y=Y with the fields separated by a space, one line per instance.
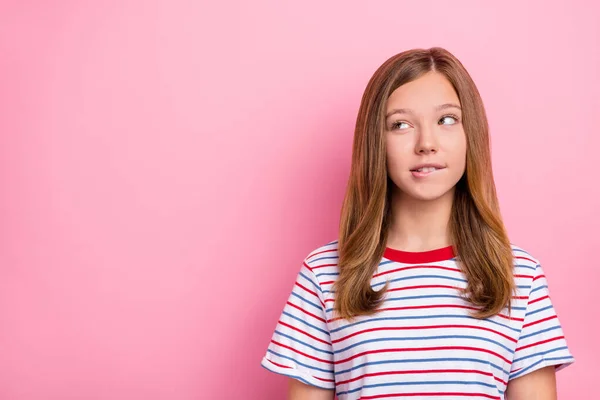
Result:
x=427 y=195
x=431 y=197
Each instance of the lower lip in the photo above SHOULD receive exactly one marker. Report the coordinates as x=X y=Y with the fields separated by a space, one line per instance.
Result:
x=418 y=174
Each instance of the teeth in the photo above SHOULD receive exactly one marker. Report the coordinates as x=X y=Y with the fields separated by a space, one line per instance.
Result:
x=427 y=169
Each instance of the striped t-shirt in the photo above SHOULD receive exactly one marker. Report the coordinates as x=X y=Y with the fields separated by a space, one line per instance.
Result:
x=422 y=344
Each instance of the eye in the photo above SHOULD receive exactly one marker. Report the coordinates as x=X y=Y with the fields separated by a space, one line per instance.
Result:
x=397 y=124
x=454 y=117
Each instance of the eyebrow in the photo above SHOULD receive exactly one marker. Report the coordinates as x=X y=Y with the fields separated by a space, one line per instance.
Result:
x=409 y=111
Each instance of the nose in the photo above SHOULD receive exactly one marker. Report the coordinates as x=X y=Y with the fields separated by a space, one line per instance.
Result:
x=426 y=141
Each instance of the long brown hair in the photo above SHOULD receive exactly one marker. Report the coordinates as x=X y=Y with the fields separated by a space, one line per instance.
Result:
x=478 y=235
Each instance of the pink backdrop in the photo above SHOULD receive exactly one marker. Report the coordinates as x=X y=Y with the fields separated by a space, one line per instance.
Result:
x=165 y=167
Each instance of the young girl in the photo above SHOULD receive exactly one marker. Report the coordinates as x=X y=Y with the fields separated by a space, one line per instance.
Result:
x=422 y=295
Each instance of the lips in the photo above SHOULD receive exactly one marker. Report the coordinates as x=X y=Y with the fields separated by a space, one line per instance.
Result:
x=424 y=170
x=429 y=167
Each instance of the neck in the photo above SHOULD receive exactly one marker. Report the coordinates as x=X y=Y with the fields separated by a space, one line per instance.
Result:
x=420 y=225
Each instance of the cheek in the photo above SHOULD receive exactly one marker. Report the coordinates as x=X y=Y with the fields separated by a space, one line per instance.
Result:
x=456 y=150
x=396 y=158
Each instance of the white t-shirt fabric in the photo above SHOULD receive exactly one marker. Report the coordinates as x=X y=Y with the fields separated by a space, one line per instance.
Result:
x=422 y=343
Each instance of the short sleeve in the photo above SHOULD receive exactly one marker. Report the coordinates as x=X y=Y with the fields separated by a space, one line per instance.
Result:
x=541 y=342
x=301 y=346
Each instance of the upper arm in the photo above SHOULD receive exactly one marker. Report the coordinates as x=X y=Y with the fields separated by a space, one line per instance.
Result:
x=537 y=385
x=301 y=391
x=300 y=347
x=541 y=349
x=541 y=342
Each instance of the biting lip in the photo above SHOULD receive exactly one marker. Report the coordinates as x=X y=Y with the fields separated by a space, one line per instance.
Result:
x=428 y=165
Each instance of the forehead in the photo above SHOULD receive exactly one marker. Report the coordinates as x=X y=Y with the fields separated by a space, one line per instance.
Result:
x=423 y=94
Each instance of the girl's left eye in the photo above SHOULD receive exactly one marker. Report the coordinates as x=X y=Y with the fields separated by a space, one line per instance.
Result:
x=454 y=117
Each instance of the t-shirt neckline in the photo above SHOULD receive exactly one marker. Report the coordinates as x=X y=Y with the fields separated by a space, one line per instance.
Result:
x=416 y=257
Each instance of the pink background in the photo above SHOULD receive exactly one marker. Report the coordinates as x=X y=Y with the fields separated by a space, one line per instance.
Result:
x=165 y=167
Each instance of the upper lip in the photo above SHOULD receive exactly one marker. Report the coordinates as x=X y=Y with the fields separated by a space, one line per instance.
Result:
x=439 y=166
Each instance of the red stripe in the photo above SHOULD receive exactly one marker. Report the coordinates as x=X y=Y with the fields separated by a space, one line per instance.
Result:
x=541 y=342
x=305 y=333
x=523 y=276
x=307 y=289
x=525 y=258
x=279 y=365
x=540 y=299
x=510 y=318
x=415 y=308
x=436 y=394
x=538 y=321
x=308 y=266
x=301 y=353
x=323 y=266
x=421 y=349
x=427 y=371
x=311 y=292
x=424 y=287
x=437 y=286
x=305 y=312
x=323 y=379
x=423 y=327
x=321 y=252
x=417 y=267
x=539 y=277
x=415 y=287
x=433 y=306
x=285 y=366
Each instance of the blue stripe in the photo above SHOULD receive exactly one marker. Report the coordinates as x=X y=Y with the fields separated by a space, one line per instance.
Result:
x=303 y=343
x=328 y=371
x=380 y=265
x=525 y=266
x=411 y=277
x=311 y=281
x=541 y=353
x=292 y=375
x=296 y=362
x=420 y=277
x=522 y=371
x=539 y=288
x=421 y=360
x=420 y=383
x=516 y=249
x=327 y=274
x=317 y=306
x=425 y=296
x=322 y=258
x=537 y=311
x=432 y=296
x=393 y=339
x=540 y=332
x=419 y=317
x=305 y=323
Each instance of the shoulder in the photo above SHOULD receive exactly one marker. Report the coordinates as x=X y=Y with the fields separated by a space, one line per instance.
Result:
x=322 y=262
x=523 y=259
x=323 y=256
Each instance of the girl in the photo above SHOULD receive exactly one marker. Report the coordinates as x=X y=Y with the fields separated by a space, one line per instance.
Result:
x=422 y=295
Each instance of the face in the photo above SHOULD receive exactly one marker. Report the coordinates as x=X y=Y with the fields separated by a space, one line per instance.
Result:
x=425 y=140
